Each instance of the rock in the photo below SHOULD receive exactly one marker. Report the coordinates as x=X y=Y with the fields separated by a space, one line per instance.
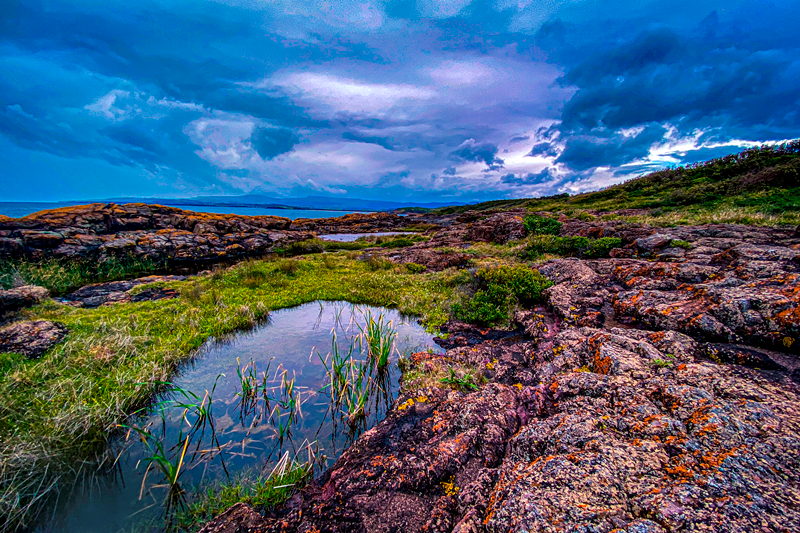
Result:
x=121 y=292
x=26 y=296
x=746 y=356
x=352 y=223
x=98 y=231
x=499 y=228
x=241 y=518
x=653 y=242
x=31 y=339
x=601 y=411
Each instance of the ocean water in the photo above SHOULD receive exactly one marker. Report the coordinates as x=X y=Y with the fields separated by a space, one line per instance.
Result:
x=21 y=209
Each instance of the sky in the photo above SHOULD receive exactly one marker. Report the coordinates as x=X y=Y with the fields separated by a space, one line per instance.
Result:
x=419 y=100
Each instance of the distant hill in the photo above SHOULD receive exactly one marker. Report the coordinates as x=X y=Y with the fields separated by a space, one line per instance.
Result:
x=763 y=181
x=309 y=202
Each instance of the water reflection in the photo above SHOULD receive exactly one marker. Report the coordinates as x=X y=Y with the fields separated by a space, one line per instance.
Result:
x=306 y=383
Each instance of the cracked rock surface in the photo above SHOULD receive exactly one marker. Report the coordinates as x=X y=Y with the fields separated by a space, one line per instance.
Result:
x=655 y=391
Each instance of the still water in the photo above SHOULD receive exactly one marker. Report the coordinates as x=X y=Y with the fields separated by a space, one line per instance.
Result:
x=350 y=237
x=292 y=344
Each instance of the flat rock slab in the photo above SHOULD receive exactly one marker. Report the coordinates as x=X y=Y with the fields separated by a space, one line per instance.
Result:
x=119 y=292
x=26 y=296
x=31 y=339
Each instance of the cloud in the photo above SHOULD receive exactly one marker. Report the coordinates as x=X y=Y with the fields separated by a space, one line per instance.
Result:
x=485 y=152
x=583 y=153
x=271 y=142
x=352 y=95
x=544 y=176
x=292 y=96
x=369 y=139
x=545 y=149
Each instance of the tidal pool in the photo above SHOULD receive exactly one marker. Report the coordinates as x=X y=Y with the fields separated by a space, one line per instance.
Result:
x=294 y=343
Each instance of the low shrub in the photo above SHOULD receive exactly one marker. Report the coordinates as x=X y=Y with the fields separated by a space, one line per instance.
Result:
x=539 y=225
x=571 y=246
x=499 y=289
x=375 y=262
x=680 y=244
x=402 y=242
x=415 y=268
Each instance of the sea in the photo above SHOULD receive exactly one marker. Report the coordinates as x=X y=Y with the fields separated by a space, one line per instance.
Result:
x=21 y=209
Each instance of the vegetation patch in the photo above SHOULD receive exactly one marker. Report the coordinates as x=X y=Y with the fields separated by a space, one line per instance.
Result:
x=262 y=493
x=61 y=276
x=539 y=225
x=498 y=290
x=570 y=246
x=759 y=186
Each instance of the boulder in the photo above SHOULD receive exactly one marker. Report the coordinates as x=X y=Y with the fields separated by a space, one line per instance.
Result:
x=31 y=339
x=26 y=296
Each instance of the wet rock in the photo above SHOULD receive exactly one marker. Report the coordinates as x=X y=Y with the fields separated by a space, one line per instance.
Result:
x=31 y=339
x=746 y=356
x=26 y=296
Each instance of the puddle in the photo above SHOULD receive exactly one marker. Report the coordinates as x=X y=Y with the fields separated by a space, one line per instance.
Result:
x=350 y=237
x=291 y=343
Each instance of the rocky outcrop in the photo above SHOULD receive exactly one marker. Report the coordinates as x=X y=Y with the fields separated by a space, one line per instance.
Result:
x=587 y=430
x=31 y=339
x=141 y=230
x=655 y=391
x=115 y=292
x=499 y=227
x=25 y=296
x=352 y=223
x=716 y=289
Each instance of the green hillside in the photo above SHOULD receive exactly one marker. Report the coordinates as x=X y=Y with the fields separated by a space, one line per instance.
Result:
x=756 y=186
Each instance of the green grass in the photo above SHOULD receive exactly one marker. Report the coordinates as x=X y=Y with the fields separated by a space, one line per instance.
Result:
x=62 y=276
x=260 y=492
x=58 y=411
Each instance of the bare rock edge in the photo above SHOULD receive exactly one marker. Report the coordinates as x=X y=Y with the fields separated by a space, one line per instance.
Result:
x=655 y=391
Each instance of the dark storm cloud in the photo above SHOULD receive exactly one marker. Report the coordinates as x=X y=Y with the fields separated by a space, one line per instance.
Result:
x=485 y=152
x=271 y=142
x=709 y=77
x=537 y=178
x=545 y=149
x=583 y=153
x=369 y=139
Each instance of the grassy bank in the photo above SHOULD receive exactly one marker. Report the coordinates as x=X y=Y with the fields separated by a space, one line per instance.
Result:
x=758 y=186
x=62 y=276
x=58 y=411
